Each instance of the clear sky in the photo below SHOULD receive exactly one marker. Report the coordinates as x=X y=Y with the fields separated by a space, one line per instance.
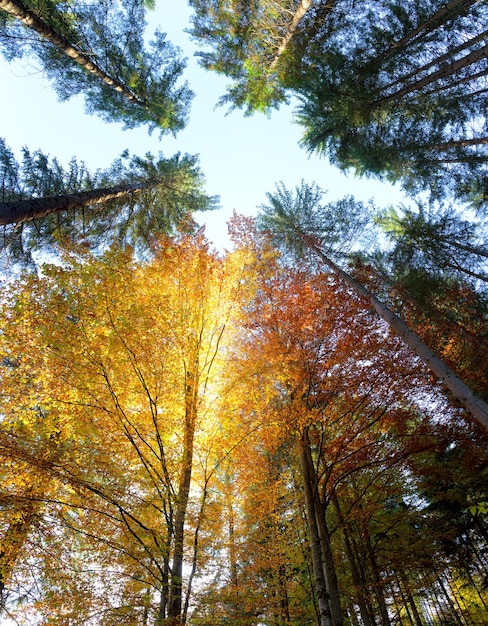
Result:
x=242 y=157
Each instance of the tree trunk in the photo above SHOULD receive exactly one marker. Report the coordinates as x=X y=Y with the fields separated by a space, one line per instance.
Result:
x=309 y=486
x=444 y=72
x=476 y=406
x=457 y=83
x=456 y=143
x=36 y=208
x=440 y=59
x=378 y=585
x=175 y=601
x=302 y=8
x=355 y=575
x=31 y=20
x=329 y=565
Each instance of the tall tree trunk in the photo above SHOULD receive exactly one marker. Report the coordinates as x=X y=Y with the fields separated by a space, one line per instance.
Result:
x=355 y=575
x=475 y=405
x=378 y=585
x=31 y=20
x=457 y=83
x=36 y=208
x=300 y=12
x=329 y=565
x=444 y=72
x=403 y=580
x=309 y=486
x=440 y=59
x=175 y=601
x=455 y=143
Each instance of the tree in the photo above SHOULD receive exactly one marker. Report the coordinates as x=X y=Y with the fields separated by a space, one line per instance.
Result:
x=298 y=221
x=98 y=49
x=130 y=202
x=441 y=240
x=124 y=499
x=402 y=101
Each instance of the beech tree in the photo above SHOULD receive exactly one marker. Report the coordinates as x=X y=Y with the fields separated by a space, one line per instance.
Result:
x=136 y=351
x=98 y=49
x=329 y=389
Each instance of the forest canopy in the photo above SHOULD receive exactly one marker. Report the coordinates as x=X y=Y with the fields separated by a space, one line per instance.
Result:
x=292 y=431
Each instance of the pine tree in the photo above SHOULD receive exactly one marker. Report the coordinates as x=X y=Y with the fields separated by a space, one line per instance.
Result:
x=298 y=222
x=44 y=204
x=98 y=49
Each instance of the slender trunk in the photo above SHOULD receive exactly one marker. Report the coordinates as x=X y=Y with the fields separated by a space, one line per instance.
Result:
x=403 y=605
x=163 y=597
x=31 y=20
x=440 y=59
x=175 y=601
x=477 y=407
x=465 y=270
x=449 y=145
x=232 y=547
x=309 y=486
x=195 y=551
x=36 y=208
x=378 y=585
x=450 y=604
x=477 y=250
x=283 y=599
x=403 y=580
x=457 y=83
x=356 y=578
x=303 y=7
x=454 y=7
x=329 y=566
x=444 y=72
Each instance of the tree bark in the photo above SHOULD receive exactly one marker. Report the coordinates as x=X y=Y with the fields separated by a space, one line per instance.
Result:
x=302 y=8
x=444 y=72
x=475 y=405
x=175 y=601
x=25 y=210
x=329 y=567
x=31 y=20
x=307 y=470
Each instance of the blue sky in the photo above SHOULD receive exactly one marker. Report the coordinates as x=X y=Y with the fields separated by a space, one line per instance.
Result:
x=242 y=157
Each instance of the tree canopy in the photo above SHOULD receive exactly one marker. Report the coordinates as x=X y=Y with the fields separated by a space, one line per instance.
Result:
x=98 y=49
x=44 y=205
x=292 y=432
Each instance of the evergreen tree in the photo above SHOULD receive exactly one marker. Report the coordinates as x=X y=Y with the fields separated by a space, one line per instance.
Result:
x=44 y=205
x=97 y=49
x=405 y=100
x=438 y=240
x=298 y=222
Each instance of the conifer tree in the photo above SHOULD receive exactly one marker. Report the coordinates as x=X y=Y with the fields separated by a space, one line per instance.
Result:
x=44 y=204
x=300 y=223
x=98 y=50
